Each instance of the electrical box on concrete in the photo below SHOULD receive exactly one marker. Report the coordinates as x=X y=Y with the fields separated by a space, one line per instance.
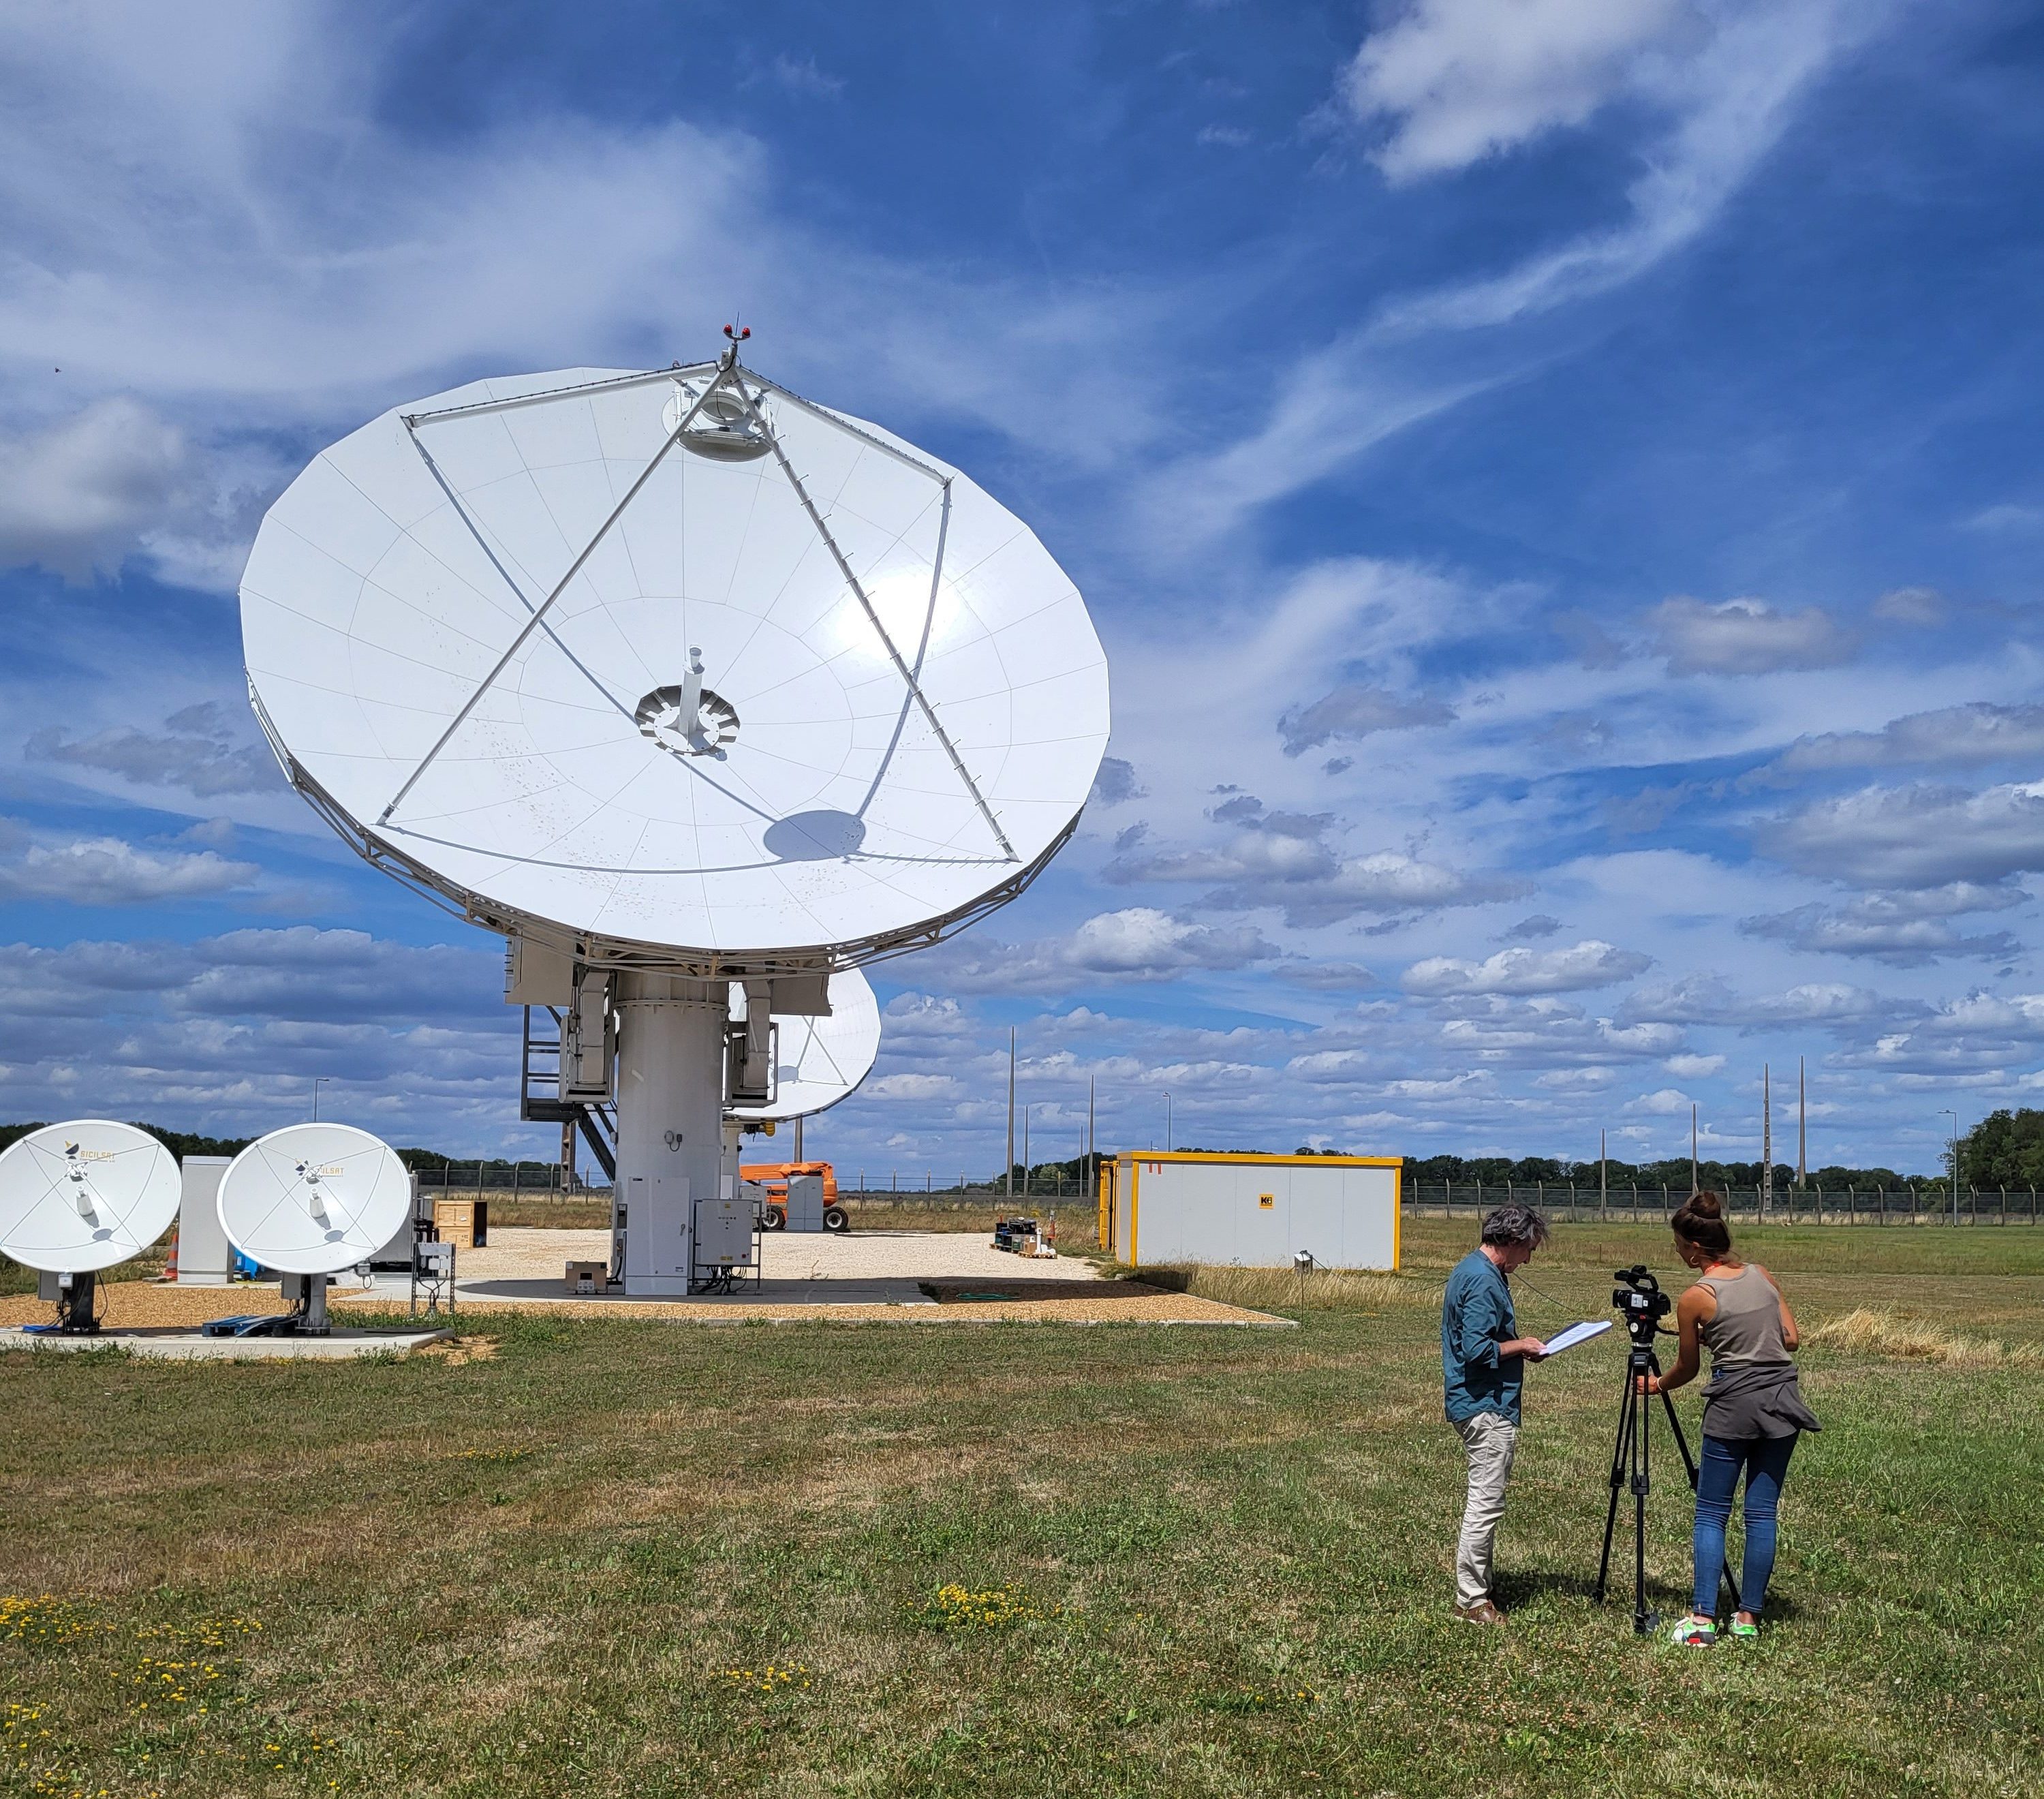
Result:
x=1251 y=1211
x=653 y=1217
x=205 y=1258
x=805 y=1202
x=724 y=1234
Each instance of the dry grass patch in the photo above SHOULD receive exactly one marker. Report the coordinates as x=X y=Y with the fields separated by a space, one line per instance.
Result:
x=458 y=1352
x=1321 y=1289
x=1869 y=1332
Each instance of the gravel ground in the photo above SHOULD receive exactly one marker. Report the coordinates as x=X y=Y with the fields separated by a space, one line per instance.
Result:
x=862 y=1277
x=130 y=1304
x=806 y=1268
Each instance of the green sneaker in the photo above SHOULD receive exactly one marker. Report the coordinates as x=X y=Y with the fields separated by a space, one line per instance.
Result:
x=1744 y=1633
x=1695 y=1633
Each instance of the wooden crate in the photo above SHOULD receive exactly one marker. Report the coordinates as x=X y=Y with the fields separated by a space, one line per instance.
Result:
x=464 y=1223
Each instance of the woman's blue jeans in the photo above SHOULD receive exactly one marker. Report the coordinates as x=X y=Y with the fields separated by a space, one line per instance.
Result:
x=1764 y=1461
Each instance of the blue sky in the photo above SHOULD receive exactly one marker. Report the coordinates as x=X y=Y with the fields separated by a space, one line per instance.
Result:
x=1557 y=481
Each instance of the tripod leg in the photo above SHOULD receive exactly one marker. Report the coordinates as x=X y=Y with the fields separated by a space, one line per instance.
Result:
x=1726 y=1586
x=1620 y=1457
x=1675 y=1425
x=1642 y=1482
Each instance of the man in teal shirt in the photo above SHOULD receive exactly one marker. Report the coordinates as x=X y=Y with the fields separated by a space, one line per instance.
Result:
x=1483 y=1360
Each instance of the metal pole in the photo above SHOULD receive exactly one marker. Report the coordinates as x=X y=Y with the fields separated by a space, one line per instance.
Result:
x=1766 y=1140
x=317 y=1080
x=1948 y=1112
x=1011 y=1111
x=1091 y=1169
x=1695 y=1183
x=1803 y=1135
x=1167 y=1124
x=1603 y=1187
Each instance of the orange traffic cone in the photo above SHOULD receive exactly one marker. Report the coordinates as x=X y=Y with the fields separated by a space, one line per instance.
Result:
x=169 y=1267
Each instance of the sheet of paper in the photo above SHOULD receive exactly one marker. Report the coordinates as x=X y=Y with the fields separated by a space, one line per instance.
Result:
x=1575 y=1333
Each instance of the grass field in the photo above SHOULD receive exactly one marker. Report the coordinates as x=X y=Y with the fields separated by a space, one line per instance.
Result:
x=1000 y=1559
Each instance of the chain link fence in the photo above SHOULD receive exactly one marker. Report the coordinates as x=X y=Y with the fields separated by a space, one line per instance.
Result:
x=1914 y=1203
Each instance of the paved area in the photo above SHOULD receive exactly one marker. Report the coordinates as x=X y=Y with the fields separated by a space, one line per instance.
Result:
x=173 y=1345
x=806 y=1268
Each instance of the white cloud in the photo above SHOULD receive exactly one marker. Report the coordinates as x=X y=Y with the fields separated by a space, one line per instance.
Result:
x=1462 y=79
x=1664 y=1103
x=108 y=871
x=1116 y=783
x=1745 y=636
x=1955 y=735
x=1914 y=837
x=1694 y=1068
x=800 y=75
x=913 y=1086
x=1907 y=929
x=1354 y=711
x=1590 y=964
x=1918 y=607
x=77 y=494
x=1725 y=89
x=196 y=751
x=1139 y=943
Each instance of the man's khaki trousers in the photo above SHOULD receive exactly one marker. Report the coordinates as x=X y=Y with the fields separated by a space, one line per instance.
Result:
x=1488 y=1442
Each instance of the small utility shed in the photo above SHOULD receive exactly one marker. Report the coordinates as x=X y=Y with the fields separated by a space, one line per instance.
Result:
x=1251 y=1211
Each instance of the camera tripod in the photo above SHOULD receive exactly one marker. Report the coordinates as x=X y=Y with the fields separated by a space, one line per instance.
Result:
x=1632 y=1463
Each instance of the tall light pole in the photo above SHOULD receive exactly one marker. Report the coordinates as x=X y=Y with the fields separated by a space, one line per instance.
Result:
x=318 y=1081
x=1090 y=1163
x=1766 y=1140
x=1167 y=1124
x=1948 y=1112
x=1802 y=1131
x=1011 y=1111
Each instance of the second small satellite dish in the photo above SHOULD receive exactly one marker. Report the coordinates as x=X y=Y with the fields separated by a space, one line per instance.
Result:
x=79 y=1197
x=819 y=1061
x=314 y=1199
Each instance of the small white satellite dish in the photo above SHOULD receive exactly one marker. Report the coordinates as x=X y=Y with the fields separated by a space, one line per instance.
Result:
x=819 y=1061
x=79 y=1197
x=314 y=1199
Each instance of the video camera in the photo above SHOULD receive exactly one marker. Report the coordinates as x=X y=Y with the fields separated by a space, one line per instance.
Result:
x=1638 y=1297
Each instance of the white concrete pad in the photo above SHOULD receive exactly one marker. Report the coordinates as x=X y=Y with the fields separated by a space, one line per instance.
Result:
x=189 y=1346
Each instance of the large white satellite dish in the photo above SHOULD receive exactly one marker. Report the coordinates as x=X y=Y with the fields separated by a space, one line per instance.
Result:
x=821 y=1060
x=678 y=679
x=314 y=1199
x=675 y=660
x=79 y=1197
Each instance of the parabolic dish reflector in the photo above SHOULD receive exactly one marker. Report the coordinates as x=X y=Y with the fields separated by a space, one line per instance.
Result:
x=313 y=1199
x=820 y=1061
x=793 y=685
x=80 y=1196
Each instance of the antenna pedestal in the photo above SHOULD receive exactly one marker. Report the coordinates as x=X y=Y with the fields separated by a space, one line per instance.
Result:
x=307 y=1293
x=671 y=1062
x=76 y=1297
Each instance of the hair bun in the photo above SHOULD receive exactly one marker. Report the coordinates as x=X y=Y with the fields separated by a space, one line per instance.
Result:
x=1706 y=1205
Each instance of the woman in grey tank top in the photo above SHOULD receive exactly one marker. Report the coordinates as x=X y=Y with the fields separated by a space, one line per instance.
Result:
x=1752 y=1409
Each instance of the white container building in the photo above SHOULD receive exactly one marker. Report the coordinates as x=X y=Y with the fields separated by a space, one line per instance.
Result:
x=1251 y=1211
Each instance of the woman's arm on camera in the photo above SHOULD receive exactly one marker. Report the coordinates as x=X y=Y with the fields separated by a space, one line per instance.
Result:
x=1689 y=1318
x=1791 y=1337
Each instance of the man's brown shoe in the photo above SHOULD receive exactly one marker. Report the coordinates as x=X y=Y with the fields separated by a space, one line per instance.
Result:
x=1481 y=1612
